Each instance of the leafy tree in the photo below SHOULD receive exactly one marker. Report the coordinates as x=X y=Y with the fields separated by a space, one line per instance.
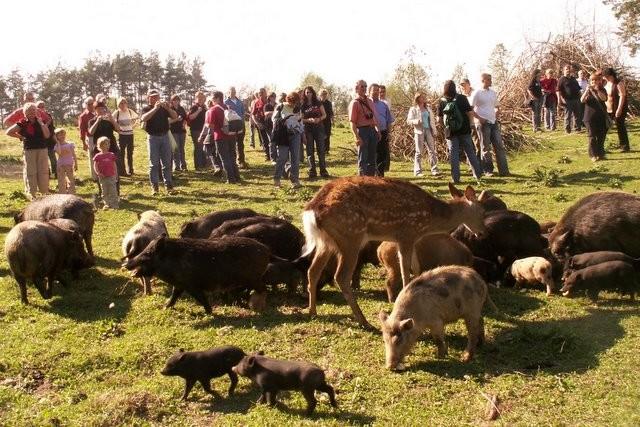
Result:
x=499 y=65
x=628 y=14
x=15 y=87
x=312 y=79
x=459 y=73
x=408 y=78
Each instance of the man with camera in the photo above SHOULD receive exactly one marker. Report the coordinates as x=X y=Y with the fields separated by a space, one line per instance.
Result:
x=155 y=118
x=365 y=129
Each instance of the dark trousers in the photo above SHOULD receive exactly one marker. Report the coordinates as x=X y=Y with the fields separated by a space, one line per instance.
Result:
x=51 y=152
x=199 y=156
x=126 y=151
x=596 y=135
x=572 y=110
x=383 y=159
x=263 y=134
x=327 y=134
x=621 y=127
x=240 y=146
x=227 y=152
x=315 y=143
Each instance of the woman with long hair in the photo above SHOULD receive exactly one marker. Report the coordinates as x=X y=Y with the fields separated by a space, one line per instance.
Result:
x=595 y=115
x=617 y=105
x=313 y=114
x=421 y=118
x=536 y=100
x=549 y=85
x=458 y=139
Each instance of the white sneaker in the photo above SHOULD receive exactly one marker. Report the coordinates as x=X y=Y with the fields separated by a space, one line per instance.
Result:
x=418 y=174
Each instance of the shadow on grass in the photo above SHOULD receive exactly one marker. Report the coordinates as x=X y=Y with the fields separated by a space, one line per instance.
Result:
x=554 y=346
x=594 y=177
x=87 y=299
x=242 y=402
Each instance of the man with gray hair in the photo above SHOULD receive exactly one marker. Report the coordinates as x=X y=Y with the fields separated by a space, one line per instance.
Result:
x=83 y=125
x=485 y=110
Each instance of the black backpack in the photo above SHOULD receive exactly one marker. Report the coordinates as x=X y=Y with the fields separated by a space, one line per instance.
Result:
x=280 y=133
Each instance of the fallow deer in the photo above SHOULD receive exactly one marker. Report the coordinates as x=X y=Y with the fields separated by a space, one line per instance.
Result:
x=348 y=212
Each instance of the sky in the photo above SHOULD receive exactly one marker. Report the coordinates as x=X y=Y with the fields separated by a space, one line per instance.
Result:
x=255 y=42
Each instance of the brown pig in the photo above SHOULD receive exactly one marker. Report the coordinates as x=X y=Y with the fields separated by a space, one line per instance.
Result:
x=433 y=299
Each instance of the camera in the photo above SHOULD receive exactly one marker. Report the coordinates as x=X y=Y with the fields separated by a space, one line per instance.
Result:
x=368 y=116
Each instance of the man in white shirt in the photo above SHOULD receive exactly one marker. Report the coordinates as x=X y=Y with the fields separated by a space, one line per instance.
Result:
x=583 y=81
x=484 y=102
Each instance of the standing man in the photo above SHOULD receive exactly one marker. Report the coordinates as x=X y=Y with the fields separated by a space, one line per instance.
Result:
x=51 y=142
x=18 y=114
x=365 y=129
x=83 y=125
x=583 y=81
x=156 y=117
x=568 y=92
x=466 y=89
x=384 y=119
x=195 y=118
x=252 y=124
x=237 y=105
x=257 y=114
x=484 y=102
x=383 y=95
x=328 y=121
x=225 y=144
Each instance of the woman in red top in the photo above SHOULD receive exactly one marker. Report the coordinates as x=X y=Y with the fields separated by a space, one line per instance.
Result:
x=312 y=116
x=549 y=85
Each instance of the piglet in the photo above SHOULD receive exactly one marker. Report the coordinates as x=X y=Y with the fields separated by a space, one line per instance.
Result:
x=202 y=366
x=612 y=275
x=273 y=375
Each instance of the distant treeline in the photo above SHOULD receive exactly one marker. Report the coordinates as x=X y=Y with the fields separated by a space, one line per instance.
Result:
x=125 y=74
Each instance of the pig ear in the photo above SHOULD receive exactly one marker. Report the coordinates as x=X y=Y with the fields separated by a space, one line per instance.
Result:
x=470 y=194
x=138 y=215
x=251 y=361
x=455 y=193
x=383 y=316
x=406 y=324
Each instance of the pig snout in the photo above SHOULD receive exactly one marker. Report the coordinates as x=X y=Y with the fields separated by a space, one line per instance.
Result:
x=235 y=370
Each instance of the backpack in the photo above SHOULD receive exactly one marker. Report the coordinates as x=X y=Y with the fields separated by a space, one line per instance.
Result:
x=233 y=123
x=280 y=133
x=453 y=118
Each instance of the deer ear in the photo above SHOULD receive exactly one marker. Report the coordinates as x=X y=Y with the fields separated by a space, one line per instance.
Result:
x=383 y=316
x=470 y=194
x=406 y=324
x=455 y=193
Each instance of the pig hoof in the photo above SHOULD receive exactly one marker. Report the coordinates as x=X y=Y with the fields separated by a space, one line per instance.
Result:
x=565 y=294
x=466 y=357
x=399 y=367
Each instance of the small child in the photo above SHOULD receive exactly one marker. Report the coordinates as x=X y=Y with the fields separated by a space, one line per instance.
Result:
x=105 y=166
x=67 y=162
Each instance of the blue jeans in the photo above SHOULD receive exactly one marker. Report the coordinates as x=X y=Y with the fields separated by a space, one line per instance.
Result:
x=367 y=151
x=490 y=138
x=550 y=116
x=289 y=153
x=571 y=113
x=179 y=162
x=199 y=156
x=315 y=140
x=159 y=155
x=227 y=151
x=464 y=142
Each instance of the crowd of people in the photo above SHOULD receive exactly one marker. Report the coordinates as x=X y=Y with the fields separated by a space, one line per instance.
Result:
x=290 y=128
x=595 y=102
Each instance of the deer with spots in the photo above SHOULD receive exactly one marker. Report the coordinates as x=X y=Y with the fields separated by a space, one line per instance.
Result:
x=346 y=213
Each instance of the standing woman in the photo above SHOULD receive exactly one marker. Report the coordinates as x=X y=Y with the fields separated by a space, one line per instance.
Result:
x=617 y=105
x=34 y=134
x=458 y=139
x=550 y=100
x=535 y=93
x=595 y=115
x=288 y=150
x=103 y=124
x=328 y=121
x=312 y=116
x=179 y=133
x=125 y=118
x=424 y=134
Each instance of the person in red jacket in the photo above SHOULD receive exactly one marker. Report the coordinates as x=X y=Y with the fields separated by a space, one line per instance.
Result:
x=225 y=143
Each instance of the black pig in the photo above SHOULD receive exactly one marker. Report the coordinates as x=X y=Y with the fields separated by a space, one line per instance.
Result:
x=201 y=228
x=202 y=366
x=273 y=375
x=612 y=275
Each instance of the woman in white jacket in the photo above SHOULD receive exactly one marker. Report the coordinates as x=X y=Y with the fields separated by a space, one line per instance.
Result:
x=424 y=133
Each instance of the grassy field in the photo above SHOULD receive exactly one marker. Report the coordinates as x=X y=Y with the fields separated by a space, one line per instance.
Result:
x=91 y=355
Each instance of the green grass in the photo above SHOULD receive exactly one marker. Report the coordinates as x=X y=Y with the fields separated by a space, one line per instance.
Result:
x=73 y=360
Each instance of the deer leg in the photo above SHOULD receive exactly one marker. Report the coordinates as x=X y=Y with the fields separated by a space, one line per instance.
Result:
x=318 y=264
x=405 y=254
x=344 y=272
